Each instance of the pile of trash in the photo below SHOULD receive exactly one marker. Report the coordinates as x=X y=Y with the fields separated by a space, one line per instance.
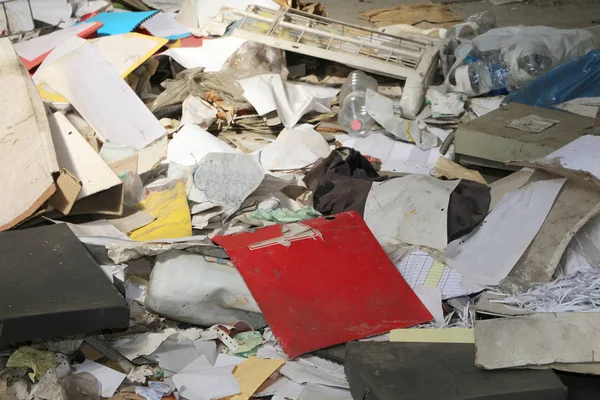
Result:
x=247 y=199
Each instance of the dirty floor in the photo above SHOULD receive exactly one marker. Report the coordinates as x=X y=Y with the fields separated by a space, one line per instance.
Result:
x=564 y=14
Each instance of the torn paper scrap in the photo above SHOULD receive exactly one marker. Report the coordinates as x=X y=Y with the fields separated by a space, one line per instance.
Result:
x=165 y=25
x=412 y=209
x=103 y=98
x=268 y=93
x=198 y=111
x=192 y=143
x=486 y=255
x=170 y=208
x=445 y=105
x=211 y=55
x=451 y=170
x=313 y=369
x=294 y=149
x=200 y=381
x=109 y=379
x=532 y=123
x=579 y=155
x=431 y=297
x=28 y=157
x=419 y=268
x=381 y=109
x=144 y=344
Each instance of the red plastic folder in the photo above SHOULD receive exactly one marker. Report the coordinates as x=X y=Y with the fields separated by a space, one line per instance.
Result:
x=323 y=282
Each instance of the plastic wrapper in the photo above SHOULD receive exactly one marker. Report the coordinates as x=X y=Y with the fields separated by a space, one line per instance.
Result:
x=515 y=56
x=134 y=189
x=576 y=79
x=82 y=386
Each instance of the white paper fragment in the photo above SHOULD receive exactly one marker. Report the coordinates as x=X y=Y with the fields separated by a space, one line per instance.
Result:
x=312 y=369
x=109 y=379
x=445 y=105
x=200 y=381
x=486 y=255
x=294 y=149
x=145 y=344
x=412 y=209
x=319 y=392
x=483 y=105
x=192 y=143
x=580 y=154
x=268 y=93
x=165 y=25
x=211 y=55
x=584 y=106
x=197 y=111
x=283 y=388
x=431 y=297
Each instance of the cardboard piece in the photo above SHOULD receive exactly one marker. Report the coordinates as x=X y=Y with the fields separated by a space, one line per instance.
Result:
x=411 y=15
x=452 y=170
x=418 y=371
x=68 y=189
x=103 y=98
x=101 y=190
x=252 y=373
x=314 y=283
x=28 y=158
x=541 y=339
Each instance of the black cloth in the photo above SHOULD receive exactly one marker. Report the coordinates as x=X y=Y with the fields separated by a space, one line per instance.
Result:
x=341 y=182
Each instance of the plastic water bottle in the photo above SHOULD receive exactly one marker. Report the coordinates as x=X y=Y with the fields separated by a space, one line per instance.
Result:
x=489 y=74
x=353 y=116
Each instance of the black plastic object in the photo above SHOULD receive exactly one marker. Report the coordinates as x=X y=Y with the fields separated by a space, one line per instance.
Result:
x=51 y=286
x=429 y=371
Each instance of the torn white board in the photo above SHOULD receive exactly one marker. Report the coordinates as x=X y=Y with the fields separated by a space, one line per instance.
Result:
x=412 y=209
x=294 y=149
x=103 y=98
x=198 y=111
x=540 y=339
x=396 y=156
x=200 y=381
x=268 y=92
x=579 y=155
x=225 y=179
x=486 y=255
x=166 y=26
x=211 y=55
x=98 y=180
x=109 y=379
x=192 y=143
x=313 y=369
x=419 y=268
x=320 y=392
x=38 y=46
x=28 y=158
x=532 y=123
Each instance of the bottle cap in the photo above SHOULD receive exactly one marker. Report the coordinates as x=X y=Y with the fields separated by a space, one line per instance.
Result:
x=356 y=125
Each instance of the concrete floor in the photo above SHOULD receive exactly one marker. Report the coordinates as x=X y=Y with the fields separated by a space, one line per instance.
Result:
x=565 y=14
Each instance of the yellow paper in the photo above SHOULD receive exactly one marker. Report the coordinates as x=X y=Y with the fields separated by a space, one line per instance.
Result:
x=441 y=335
x=449 y=169
x=170 y=208
x=252 y=373
x=27 y=357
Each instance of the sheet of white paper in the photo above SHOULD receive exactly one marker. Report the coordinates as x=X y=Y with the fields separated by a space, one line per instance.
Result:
x=97 y=228
x=211 y=55
x=486 y=255
x=580 y=154
x=225 y=360
x=283 y=388
x=419 y=268
x=431 y=297
x=396 y=156
x=412 y=209
x=484 y=105
x=200 y=381
x=165 y=25
x=35 y=47
x=174 y=354
x=103 y=98
x=320 y=392
x=294 y=149
x=312 y=369
x=208 y=348
x=268 y=93
x=109 y=379
x=192 y=143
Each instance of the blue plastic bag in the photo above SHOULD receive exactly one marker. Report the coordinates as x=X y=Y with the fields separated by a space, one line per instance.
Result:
x=575 y=79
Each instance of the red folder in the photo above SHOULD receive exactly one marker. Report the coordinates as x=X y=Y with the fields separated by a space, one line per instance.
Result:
x=323 y=282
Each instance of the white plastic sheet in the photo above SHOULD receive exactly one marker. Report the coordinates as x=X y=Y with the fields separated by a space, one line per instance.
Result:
x=486 y=255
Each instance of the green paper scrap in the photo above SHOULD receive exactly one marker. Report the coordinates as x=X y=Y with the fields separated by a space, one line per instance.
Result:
x=282 y=215
x=248 y=343
x=37 y=360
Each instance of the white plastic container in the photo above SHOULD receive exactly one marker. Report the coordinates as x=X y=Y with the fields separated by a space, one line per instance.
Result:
x=186 y=287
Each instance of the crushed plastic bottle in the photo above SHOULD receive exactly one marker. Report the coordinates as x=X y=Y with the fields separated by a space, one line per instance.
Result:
x=353 y=116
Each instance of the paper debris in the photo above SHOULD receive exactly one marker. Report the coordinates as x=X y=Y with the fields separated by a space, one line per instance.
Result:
x=532 y=124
